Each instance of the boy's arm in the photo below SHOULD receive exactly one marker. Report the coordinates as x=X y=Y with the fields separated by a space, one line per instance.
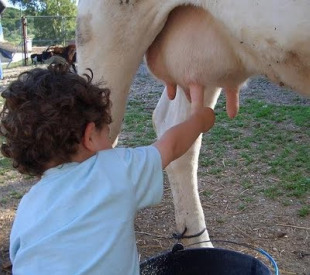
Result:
x=177 y=140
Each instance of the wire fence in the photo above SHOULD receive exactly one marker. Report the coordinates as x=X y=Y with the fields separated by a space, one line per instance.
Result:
x=34 y=34
x=50 y=30
x=42 y=30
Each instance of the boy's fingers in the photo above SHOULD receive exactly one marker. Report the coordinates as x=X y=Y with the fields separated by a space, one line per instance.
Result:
x=209 y=118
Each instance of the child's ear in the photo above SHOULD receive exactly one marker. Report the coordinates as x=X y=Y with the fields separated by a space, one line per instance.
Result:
x=88 y=139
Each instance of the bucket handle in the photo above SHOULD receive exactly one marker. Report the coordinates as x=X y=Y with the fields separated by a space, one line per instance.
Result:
x=260 y=250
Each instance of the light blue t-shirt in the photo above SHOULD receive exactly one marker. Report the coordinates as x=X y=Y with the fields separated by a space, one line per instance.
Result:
x=79 y=218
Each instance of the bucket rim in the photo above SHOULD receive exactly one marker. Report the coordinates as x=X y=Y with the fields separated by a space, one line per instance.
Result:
x=187 y=250
x=213 y=250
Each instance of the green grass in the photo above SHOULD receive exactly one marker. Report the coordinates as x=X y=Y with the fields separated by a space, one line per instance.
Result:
x=16 y=195
x=19 y=64
x=5 y=163
x=304 y=211
x=138 y=125
x=275 y=138
x=269 y=140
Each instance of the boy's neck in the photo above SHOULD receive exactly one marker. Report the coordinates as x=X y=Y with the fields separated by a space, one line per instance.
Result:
x=82 y=154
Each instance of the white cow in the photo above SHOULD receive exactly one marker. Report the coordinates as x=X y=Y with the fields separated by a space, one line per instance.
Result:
x=270 y=37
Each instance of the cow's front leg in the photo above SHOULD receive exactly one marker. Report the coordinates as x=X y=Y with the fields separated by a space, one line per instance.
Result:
x=189 y=215
x=182 y=173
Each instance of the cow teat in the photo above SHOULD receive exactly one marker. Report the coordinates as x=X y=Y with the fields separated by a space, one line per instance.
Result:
x=232 y=101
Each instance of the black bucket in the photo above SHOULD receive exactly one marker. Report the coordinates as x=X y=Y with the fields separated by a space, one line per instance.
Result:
x=203 y=261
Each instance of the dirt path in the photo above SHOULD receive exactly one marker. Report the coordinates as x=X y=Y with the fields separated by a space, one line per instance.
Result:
x=265 y=223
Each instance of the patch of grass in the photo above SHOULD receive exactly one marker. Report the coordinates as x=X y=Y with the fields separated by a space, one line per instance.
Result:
x=296 y=185
x=215 y=170
x=207 y=193
x=247 y=157
x=270 y=140
x=246 y=199
x=242 y=207
x=16 y=195
x=138 y=124
x=206 y=162
x=4 y=201
x=5 y=164
x=18 y=64
x=220 y=220
x=286 y=202
x=247 y=184
x=304 y=211
x=273 y=192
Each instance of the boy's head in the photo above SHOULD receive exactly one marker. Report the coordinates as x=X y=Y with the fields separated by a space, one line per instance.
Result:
x=45 y=114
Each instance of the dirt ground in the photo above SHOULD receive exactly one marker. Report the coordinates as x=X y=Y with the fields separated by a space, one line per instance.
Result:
x=265 y=223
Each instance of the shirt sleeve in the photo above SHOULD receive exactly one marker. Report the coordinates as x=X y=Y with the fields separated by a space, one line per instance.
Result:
x=145 y=173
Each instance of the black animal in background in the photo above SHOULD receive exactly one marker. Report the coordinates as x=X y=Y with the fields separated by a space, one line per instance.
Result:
x=40 y=58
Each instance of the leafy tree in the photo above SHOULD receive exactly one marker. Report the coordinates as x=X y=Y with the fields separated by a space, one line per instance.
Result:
x=49 y=21
x=10 y=20
x=35 y=7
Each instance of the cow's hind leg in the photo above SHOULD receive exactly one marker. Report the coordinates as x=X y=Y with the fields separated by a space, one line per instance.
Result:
x=182 y=173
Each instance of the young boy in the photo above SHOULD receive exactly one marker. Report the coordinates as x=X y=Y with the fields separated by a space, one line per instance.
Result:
x=79 y=217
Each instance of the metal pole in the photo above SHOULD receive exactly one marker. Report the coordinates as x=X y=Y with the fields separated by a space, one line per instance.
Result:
x=24 y=27
x=63 y=31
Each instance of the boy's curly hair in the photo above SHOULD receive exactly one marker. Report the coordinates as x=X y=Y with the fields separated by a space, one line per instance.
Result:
x=45 y=115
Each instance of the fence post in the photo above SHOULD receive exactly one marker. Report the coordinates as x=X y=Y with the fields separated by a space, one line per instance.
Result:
x=64 y=22
x=24 y=27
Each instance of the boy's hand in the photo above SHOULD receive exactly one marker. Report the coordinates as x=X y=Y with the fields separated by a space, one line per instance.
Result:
x=204 y=115
x=178 y=139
